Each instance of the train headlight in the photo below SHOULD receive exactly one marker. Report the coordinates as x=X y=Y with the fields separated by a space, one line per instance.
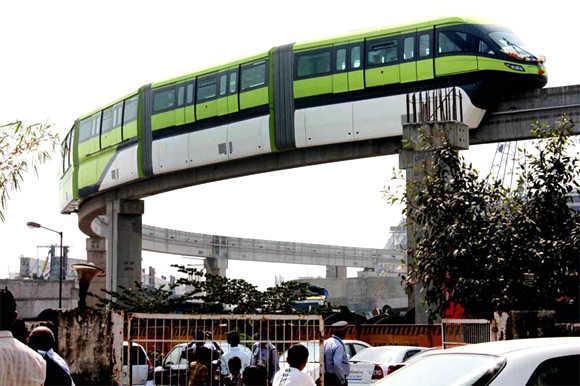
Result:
x=515 y=67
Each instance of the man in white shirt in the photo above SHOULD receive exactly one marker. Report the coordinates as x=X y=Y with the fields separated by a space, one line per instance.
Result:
x=19 y=364
x=293 y=375
x=235 y=350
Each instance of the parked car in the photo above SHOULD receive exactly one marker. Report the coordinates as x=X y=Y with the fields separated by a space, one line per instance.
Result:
x=374 y=363
x=530 y=362
x=412 y=359
x=313 y=366
x=173 y=368
x=142 y=367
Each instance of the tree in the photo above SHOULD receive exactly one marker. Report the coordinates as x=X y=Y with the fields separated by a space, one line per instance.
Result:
x=205 y=293
x=23 y=147
x=481 y=243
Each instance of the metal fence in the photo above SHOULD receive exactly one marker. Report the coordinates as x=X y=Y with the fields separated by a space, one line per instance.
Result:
x=161 y=345
x=459 y=332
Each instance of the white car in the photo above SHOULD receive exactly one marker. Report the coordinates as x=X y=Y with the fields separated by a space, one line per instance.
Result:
x=522 y=362
x=313 y=366
x=142 y=368
x=373 y=364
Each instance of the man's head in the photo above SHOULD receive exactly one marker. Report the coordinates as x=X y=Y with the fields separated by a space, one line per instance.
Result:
x=41 y=338
x=8 y=312
x=339 y=329
x=235 y=365
x=233 y=338
x=298 y=356
x=255 y=375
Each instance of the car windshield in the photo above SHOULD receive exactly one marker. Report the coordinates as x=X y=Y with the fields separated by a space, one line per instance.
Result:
x=376 y=355
x=446 y=370
x=511 y=44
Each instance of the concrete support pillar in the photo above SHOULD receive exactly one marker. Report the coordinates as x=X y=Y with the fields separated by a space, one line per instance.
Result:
x=97 y=254
x=421 y=140
x=124 y=238
x=216 y=266
x=335 y=272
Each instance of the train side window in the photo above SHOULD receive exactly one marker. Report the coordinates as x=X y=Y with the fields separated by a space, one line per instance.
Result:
x=424 y=45
x=70 y=137
x=164 y=99
x=223 y=84
x=340 y=64
x=383 y=53
x=85 y=129
x=313 y=64
x=253 y=75
x=355 y=57
x=189 y=94
x=233 y=82
x=484 y=48
x=409 y=48
x=180 y=95
x=117 y=114
x=455 y=41
x=89 y=127
x=206 y=88
x=107 y=120
x=130 y=113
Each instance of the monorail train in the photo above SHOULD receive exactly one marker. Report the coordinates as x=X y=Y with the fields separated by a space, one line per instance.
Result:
x=349 y=88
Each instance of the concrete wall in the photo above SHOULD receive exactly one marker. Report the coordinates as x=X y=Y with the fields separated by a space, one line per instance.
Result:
x=363 y=294
x=87 y=341
x=35 y=296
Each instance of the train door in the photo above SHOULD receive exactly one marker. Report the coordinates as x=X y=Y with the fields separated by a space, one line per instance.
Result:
x=340 y=70
x=206 y=95
x=456 y=51
x=222 y=98
x=233 y=90
x=355 y=66
x=408 y=55
x=382 y=62
x=425 y=55
x=180 y=104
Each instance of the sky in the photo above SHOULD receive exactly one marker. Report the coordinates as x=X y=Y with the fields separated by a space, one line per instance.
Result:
x=61 y=59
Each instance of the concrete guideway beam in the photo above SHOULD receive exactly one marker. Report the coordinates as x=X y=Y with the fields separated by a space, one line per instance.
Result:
x=176 y=242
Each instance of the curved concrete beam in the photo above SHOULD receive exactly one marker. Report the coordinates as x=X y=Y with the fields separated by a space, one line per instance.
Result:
x=510 y=121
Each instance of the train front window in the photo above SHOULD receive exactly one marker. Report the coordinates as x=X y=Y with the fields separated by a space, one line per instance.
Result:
x=511 y=45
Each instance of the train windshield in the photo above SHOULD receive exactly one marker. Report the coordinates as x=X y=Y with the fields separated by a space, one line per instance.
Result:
x=512 y=46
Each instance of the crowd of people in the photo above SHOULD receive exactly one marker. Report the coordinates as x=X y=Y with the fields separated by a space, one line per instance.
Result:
x=35 y=364
x=35 y=361
x=260 y=364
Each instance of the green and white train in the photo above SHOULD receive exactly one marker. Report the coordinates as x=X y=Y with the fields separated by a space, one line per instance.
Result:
x=349 y=88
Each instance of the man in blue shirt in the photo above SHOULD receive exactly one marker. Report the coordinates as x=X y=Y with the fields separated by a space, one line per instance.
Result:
x=336 y=366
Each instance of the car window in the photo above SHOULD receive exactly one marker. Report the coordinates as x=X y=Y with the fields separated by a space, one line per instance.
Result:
x=138 y=356
x=557 y=371
x=375 y=354
x=174 y=357
x=358 y=347
x=409 y=354
x=437 y=370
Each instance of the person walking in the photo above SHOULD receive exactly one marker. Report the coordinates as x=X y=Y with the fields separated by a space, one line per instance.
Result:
x=293 y=375
x=265 y=354
x=19 y=364
x=41 y=339
x=242 y=352
x=336 y=364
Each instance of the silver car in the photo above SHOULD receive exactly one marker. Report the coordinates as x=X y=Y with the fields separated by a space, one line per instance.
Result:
x=529 y=362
